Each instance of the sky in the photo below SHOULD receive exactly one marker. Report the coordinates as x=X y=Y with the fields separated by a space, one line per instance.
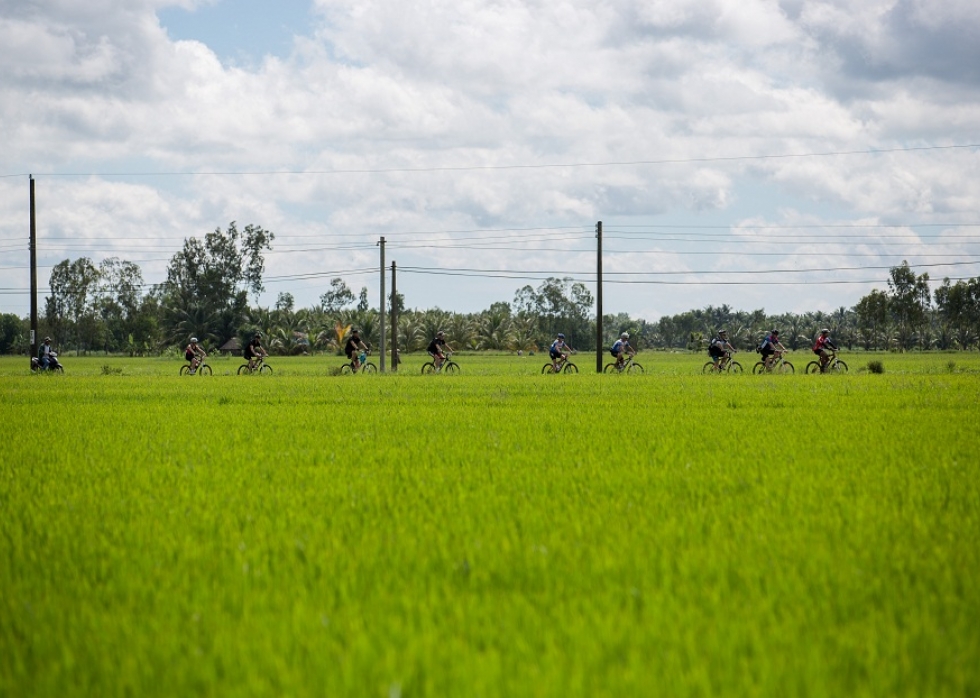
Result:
x=773 y=154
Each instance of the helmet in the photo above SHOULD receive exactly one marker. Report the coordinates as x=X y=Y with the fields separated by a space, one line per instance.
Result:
x=193 y=340
x=355 y=331
x=561 y=336
x=825 y=331
x=258 y=335
x=625 y=335
x=440 y=333
x=774 y=332
x=722 y=331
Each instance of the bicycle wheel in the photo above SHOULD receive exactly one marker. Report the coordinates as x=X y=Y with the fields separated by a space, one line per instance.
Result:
x=547 y=368
x=708 y=368
x=428 y=368
x=570 y=368
x=204 y=370
x=610 y=368
x=813 y=367
x=759 y=368
x=244 y=370
x=451 y=367
x=786 y=367
x=184 y=370
x=839 y=367
x=346 y=370
x=635 y=368
x=265 y=369
x=734 y=367
x=369 y=368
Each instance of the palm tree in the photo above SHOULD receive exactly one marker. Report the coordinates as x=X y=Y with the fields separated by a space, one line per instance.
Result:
x=522 y=332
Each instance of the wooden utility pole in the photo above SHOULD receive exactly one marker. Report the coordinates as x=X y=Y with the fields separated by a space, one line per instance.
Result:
x=381 y=360
x=33 y=246
x=394 y=320
x=598 y=299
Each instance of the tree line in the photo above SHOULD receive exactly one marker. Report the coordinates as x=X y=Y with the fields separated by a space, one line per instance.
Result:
x=108 y=308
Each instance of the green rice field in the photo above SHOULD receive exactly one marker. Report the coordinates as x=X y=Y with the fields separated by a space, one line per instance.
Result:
x=495 y=533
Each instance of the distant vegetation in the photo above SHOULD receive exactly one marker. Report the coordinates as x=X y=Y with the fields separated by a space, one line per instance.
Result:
x=109 y=309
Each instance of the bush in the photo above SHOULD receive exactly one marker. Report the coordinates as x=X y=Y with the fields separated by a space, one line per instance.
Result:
x=876 y=367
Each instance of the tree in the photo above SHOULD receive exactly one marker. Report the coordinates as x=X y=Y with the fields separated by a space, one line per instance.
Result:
x=958 y=306
x=337 y=298
x=557 y=305
x=209 y=281
x=363 y=305
x=118 y=302
x=908 y=302
x=11 y=332
x=285 y=302
x=69 y=308
x=872 y=312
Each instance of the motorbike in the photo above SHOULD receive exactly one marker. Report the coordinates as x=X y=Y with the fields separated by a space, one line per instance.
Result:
x=53 y=364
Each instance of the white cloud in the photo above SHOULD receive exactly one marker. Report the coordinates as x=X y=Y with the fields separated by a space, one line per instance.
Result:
x=381 y=85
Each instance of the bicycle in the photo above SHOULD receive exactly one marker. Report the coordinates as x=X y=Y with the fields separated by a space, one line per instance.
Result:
x=564 y=366
x=259 y=366
x=726 y=365
x=448 y=366
x=202 y=369
x=778 y=365
x=833 y=365
x=364 y=367
x=628 y=366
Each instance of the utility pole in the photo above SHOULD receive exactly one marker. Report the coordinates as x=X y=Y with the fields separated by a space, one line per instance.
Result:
x=33 y=246
x=394 y=320
x=382 y=322
x=598 y=299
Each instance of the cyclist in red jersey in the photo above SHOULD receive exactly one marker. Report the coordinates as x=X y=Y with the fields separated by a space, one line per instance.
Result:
x=824 y=348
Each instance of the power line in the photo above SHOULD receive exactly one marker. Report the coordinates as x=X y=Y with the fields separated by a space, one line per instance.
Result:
x=477 y=168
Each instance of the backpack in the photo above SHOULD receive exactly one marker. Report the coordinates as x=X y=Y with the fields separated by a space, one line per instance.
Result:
x=246 y=353
x=758 y=349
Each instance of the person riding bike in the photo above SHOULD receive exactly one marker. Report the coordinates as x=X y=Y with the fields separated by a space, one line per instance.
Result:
x=254 y=351
x=559 y=351
x=620 y=348
x=719 y=347
x=195 y=354
x=824 y=348
x=353 y=349
x=770 y=346
x=437 y=349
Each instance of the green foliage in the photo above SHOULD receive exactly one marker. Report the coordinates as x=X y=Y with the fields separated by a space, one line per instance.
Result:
x=668 y=533
x=208 y=283
x=908 y=303
x=12 y=333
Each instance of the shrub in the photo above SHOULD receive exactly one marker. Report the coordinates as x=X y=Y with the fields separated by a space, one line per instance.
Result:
x=876 y=367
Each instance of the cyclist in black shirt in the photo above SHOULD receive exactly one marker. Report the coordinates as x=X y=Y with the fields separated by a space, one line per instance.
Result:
x=353 y=349
x=437 y=349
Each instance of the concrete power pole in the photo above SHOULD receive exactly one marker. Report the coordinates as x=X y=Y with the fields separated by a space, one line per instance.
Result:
x=381 y=360
x=33 y=246
x=598 y=299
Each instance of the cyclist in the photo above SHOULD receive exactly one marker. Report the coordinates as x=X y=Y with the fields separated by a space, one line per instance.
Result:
x=355 y=345
x=559 y=352
x=824 y=348
x=195 y=354
x=719 y=348
x=437 y=349
x=620 y=348
x=770 y=347
x=254 y=351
